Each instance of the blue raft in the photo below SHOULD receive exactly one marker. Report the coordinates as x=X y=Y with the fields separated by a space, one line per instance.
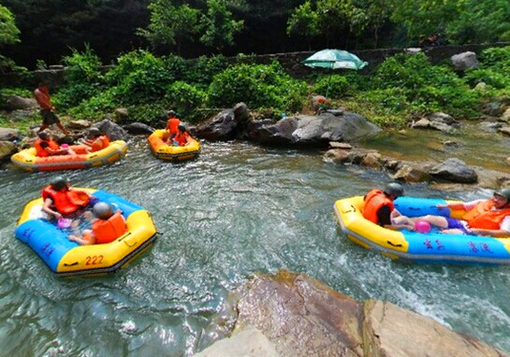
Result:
x=432 y=247
x=66 y=258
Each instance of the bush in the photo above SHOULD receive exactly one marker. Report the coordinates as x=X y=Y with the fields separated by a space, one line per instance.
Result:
x=332 y=86
x=84 y=78
x=139 y=78
x=259 y=86
x=185 y=99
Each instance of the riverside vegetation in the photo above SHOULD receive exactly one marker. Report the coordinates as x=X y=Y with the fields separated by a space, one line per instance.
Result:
x=393 y=94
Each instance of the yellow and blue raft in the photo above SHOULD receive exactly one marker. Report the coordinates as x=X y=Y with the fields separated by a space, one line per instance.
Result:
x=67 y=258
x=432 y=247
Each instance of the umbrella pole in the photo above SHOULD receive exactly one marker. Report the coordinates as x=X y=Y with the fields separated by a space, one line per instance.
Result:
x=329 y=81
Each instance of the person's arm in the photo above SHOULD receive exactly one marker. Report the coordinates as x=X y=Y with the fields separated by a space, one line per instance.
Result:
x=453 y=205
x=87 y=239
x=47 y=209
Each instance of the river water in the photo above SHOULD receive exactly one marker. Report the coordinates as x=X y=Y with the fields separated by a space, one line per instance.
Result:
x=236 y=210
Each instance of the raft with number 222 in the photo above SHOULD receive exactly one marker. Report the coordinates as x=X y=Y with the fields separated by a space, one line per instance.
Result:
x=29 y=161
x=431 y=247
x=67 y=258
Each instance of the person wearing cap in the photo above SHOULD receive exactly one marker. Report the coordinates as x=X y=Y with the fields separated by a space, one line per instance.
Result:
x=183 y=137
x=96 y=141
x=45 y=146
x=171 y=125
x=42 y=96
x=380 y=210
x=106 y=227
x=489 y=217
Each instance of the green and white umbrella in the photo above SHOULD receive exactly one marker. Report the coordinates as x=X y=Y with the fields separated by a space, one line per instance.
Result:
x=334 y=59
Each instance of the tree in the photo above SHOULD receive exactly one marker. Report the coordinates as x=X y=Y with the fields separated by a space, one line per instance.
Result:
x=8 y=31
x=171 y=25
x=219 y=26
x=481 y=21
x=303 y=22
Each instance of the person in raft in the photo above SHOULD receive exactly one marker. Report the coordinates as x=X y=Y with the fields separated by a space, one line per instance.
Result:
x=183 y=137
x=61 y=201
x=96 y=141
x=106 y=227
x=45 y=146
x=42 y=96
x=171 y=126
x=380 y=210
x=489 y=217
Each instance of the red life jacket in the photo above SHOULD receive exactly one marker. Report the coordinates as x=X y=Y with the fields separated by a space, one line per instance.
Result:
x=181 y=138
x=100 y=143
x=66 y=202
x=374 y=200
x=108 y=230
x=172 y=124
x=41 y=152
x=485 y=217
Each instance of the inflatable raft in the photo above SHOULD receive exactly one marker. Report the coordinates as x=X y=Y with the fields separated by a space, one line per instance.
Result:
x=432 y=247
x=164 y=151
x=67 y=258
x=29 y=161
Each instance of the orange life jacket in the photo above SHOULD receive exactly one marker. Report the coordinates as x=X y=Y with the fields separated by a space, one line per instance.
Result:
x=66 y=202
x=374 y=200
x=41 y=152
x=181 y=138
x=485 y=217
x=100 y=143
x=107 y=230
x=172 y=124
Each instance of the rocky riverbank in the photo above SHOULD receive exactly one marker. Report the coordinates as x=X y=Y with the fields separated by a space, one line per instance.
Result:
x=289 y=314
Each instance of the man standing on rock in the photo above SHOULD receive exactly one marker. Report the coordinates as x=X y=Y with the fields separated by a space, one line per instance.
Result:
x=42 y=96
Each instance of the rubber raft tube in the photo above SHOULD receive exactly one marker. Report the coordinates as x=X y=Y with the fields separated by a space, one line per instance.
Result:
x=167 y=152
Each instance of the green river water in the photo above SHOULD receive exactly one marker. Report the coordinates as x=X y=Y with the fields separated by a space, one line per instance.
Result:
x=236 y=210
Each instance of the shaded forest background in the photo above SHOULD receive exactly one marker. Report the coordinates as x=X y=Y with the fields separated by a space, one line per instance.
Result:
x=49 y=29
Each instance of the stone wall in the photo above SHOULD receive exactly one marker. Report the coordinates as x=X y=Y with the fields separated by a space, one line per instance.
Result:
x=291 y=61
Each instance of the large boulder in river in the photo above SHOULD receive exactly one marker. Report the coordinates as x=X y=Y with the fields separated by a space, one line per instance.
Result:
x=16 y=102
x=111 y=129
x=266 y=131
x=222 y=127
x=293 y=315
x=7 y=148
x=320 y=130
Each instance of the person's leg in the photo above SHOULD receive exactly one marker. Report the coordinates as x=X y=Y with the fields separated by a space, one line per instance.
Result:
x=42 y=127
x=438 y=221
x=62 y=127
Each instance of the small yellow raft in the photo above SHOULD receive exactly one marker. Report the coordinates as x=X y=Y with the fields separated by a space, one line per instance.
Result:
x=67 y=258
x=29 y=161
x=164 y=151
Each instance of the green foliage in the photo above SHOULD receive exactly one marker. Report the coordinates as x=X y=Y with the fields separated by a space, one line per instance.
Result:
x=139 y=77
x=185 y=99
x=218 y=25
x=335 y=85
x=497 y=58
x=303 y=21
x=428 y=87
x=259 y=86
x=203 y=70
x=84 y=78
x=481 y=21
x=8 y=31
x=171 y=25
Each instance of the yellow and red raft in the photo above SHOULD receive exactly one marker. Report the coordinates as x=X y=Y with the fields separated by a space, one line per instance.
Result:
x=167 y=152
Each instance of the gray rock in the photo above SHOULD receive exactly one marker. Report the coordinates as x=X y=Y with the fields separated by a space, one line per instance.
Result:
x=268 y=132
x=8 y=134
x=464 y=60
x=138 y=128
x=16 y=102
x=7 y=148
x=222 y=127
x=454 y=170
x=112 y=130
